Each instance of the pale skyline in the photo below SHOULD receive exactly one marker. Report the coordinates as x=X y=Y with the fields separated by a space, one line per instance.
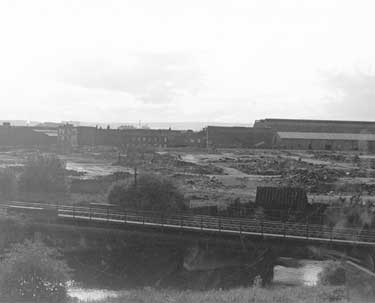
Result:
x=215 y=61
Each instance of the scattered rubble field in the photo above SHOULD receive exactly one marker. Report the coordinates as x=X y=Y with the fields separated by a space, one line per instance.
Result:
x=220 y=177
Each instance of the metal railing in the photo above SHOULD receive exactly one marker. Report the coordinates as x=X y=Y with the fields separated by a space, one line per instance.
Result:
x=255 y=225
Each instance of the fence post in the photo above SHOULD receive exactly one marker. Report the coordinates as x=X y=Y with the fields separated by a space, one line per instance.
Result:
x=219 y=223
x=74 y=211
x=201 y=223
x=240 y=227
x=262 y=224
x=90 y=212
x=284 y=227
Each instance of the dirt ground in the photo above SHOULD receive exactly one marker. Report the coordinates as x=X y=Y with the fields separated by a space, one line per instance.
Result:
x=220 y=177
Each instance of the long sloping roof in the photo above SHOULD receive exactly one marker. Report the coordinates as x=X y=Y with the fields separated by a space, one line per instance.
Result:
x=326 y=136
x=317 y=121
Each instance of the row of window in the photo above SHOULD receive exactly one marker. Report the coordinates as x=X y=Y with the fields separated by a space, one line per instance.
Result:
x=146 y=139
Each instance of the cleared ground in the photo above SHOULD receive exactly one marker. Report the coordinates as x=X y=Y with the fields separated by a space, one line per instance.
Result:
x=219 y=177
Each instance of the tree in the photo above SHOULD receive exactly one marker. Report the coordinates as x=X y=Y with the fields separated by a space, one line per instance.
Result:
x=44 y=173
x=150 y=192
x=33 y=272
x=8 y=183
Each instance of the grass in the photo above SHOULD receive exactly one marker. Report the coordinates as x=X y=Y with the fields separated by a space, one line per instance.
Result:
x=279 y=294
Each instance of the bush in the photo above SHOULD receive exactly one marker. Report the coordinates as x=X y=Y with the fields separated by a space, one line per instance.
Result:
x=44 y=174
x=32 y=272
x=354 y=215
x=333 y=274
x=8 y=183
x=150 y=193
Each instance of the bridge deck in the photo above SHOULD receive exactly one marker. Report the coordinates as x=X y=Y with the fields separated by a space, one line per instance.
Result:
x=227 y=225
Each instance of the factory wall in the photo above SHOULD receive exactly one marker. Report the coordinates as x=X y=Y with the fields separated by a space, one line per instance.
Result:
x=127 y=138
x=189 y=138
x=26 y=136
x=304 y=144
x=239 y=137
x=86 y=136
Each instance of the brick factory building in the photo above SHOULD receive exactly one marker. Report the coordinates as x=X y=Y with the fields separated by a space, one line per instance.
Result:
x=24 y=136
x=238 y=137
x=122 y=138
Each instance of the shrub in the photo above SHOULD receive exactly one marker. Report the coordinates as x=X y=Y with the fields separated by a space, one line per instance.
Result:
x=354 y=215
x=333 y=274
x=44 y=173
x=150 y=193
x=33 y=272
x=8 y=183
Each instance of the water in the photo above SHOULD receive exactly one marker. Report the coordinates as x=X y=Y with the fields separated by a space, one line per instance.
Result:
x=85 y=294
x=307 y=274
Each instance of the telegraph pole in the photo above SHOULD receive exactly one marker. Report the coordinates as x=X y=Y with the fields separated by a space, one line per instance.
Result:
x=135 y=176
x=207 y=144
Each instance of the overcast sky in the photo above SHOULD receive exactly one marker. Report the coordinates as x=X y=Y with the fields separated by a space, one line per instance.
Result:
x=218 y=61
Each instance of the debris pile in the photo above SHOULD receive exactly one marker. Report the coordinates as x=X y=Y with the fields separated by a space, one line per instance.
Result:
x=193 y=168
x=270 y=165
x=313 y=180
x=209 y=182
x=167 y=163
x=334 y=157
x=360 y=188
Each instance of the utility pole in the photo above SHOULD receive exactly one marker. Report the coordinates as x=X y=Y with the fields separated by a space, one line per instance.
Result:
x=207 y=143
x=135 y=176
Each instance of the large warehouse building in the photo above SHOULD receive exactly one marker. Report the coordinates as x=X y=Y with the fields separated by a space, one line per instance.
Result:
x=324 y=141
x=320 y=134
x=316 y=126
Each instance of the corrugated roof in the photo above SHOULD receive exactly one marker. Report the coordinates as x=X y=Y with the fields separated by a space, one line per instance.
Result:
x=326 y=136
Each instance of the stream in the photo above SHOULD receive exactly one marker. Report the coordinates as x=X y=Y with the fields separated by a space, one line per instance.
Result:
x=306 y=274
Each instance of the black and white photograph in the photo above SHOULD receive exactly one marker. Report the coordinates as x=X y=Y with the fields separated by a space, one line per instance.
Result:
x=187 y=151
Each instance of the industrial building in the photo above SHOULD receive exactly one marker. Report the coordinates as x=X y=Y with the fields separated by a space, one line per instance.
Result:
x=212 y=136
x=24 y=136
x=316 y=126
x=67 y=137
x=324 y=141
x=121 y=138
x=267 y=133
x=239 y=137
x=186 y=138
